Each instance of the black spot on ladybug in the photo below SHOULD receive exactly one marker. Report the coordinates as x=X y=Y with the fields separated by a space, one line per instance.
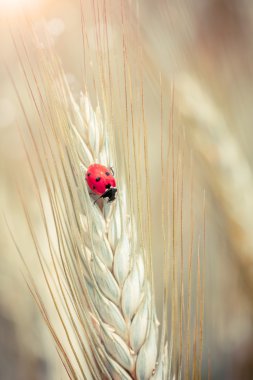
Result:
x=94 y=187
x=98 y=179
x=88 y=174
x=108 y=186
x=107 y=173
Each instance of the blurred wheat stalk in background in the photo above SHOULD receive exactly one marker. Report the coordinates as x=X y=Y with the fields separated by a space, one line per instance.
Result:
x=229 y=172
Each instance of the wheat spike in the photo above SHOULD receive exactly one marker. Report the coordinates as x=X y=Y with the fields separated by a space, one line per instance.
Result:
x=119 y=292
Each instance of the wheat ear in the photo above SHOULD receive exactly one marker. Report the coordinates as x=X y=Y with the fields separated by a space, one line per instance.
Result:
x=101 y=262
x=229 y=173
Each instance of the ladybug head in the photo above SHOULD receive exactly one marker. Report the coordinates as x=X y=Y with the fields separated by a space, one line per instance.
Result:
x=110 y=194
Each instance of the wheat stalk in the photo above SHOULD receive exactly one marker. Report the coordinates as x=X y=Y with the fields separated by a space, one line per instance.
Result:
x=98 y=272
x=97 y=276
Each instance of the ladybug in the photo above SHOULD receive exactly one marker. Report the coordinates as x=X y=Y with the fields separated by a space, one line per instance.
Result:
x=101 y=181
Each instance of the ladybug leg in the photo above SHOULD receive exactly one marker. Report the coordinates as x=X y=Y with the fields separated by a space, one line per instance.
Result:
x=101 y=196
x=112 y=170
x=96 y=200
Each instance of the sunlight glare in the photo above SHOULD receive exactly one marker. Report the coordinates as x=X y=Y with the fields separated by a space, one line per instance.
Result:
x=12 y=5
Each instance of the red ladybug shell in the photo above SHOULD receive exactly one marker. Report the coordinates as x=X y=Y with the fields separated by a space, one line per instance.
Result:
x=99 y=178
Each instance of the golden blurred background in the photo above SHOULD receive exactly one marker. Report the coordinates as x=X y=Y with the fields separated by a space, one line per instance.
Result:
x=205 y=48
